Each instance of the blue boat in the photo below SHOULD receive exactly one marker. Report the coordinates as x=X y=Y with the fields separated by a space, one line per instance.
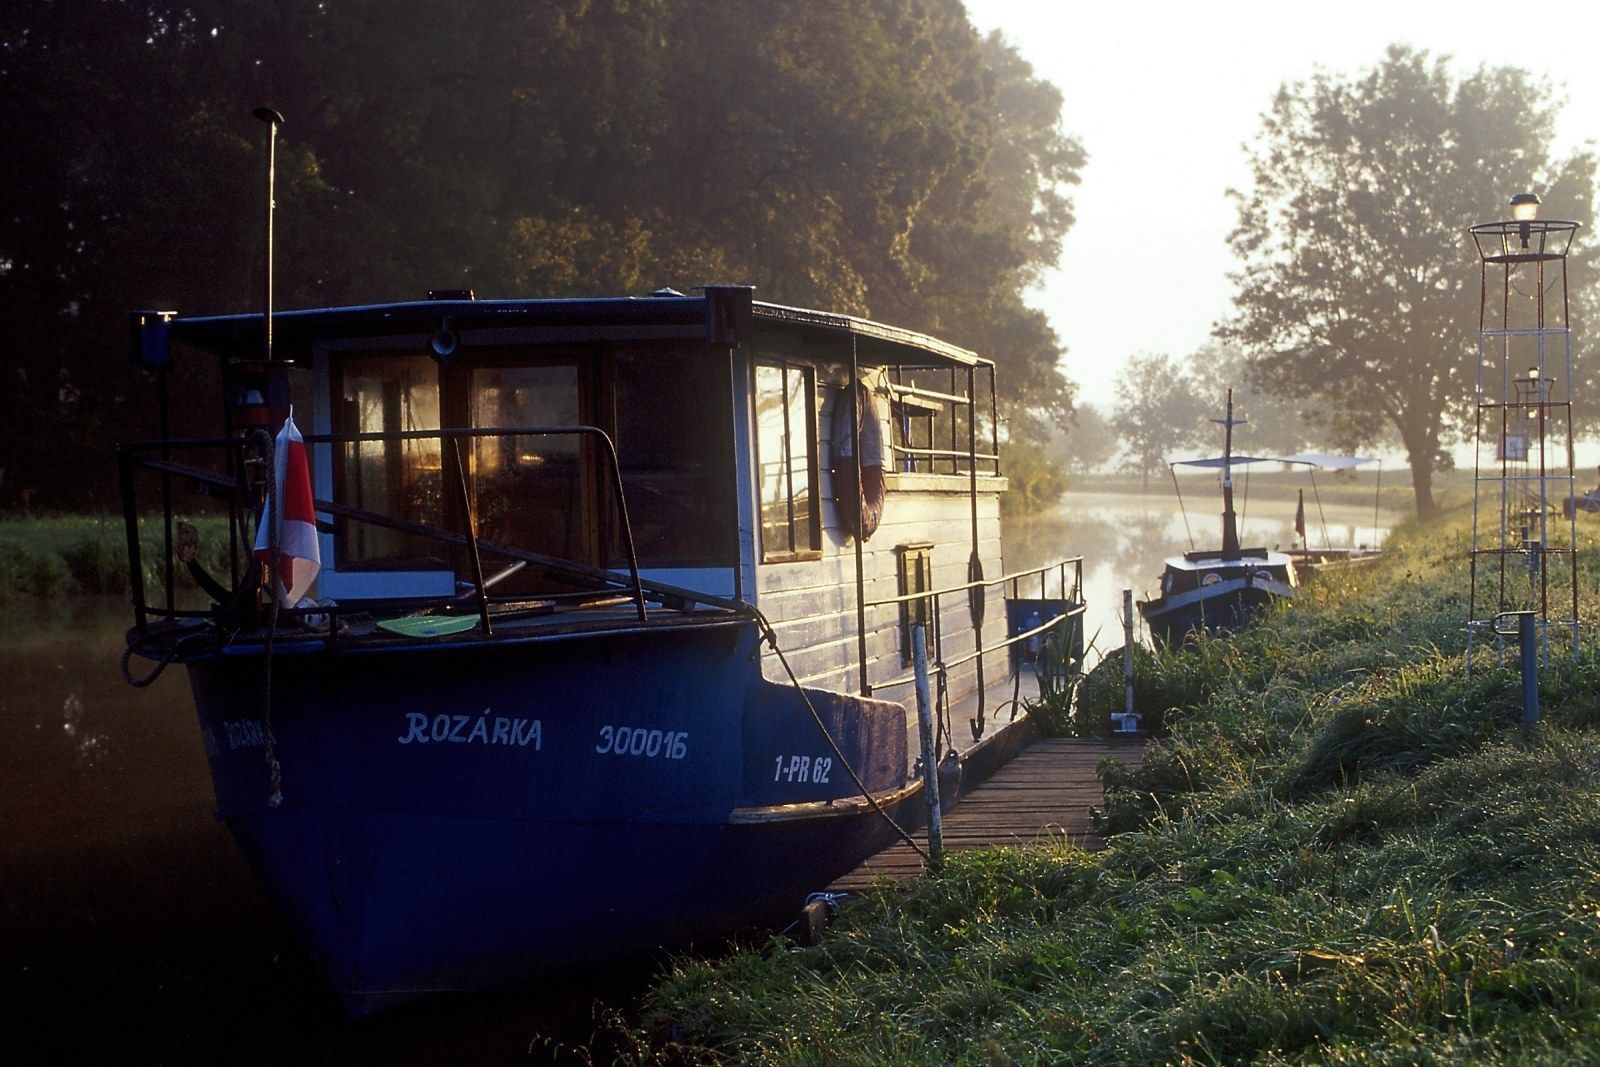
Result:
x=610 y=647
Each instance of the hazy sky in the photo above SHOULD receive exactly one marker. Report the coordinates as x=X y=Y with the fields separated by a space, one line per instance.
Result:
x=1162 y=95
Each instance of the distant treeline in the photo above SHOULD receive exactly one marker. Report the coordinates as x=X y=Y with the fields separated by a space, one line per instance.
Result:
x=877 y=157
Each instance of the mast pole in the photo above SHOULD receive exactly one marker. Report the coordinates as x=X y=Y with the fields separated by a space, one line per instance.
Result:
x=273 y=120
x=1230 y=524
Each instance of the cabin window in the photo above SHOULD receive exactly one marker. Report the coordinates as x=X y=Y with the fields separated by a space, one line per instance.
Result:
x=913 y=424
x=916 y=576
x=675 y=444
x=666 y=408
x=529 y=490
x=786 y=450
x=401 y=479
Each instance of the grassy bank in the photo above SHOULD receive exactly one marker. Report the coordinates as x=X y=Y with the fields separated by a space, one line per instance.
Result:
x=1345 y=851
x=41 y=558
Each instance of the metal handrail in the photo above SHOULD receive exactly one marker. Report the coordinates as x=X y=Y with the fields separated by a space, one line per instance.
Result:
x=1075 y=562
x=942 y=665
x=128 y=459
x=941 y=453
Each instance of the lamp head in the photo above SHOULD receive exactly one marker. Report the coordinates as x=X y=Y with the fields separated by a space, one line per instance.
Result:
x=1524 y=207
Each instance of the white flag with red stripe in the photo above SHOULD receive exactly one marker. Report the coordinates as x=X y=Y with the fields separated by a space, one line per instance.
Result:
x=289 y=519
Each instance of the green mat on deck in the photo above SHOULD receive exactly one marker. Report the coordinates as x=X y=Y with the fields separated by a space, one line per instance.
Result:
x=429 y=625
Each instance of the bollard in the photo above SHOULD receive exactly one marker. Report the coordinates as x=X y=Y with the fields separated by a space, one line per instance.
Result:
x=1128 y=721
x=930 y=759
x=1528 y=660
x=1528 y=645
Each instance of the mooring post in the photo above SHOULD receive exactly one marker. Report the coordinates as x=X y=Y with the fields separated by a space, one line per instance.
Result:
x=1528 y=645
x=1127 y=720
x=930 y=758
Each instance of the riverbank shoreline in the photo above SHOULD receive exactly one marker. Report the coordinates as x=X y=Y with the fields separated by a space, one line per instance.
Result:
x=1345 y=851
x=1390 y=490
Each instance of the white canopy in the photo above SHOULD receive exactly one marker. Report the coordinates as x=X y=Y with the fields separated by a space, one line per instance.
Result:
x=1320 y=460
x=1328 y=461
x=1216 y=461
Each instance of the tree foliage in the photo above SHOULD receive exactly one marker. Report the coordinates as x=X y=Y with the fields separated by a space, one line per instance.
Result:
x=1086 y=442
x=1271 y=425
x=1036 y=481
x=1160 y=408
x=1358 y=292
x=877 y=157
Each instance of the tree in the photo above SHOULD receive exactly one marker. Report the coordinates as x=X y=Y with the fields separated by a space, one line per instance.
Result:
x=1272 y=426
x=1037 y=481
x=1358 y=294
x=1083 y=443
x=877 y=157
x=1158 y=411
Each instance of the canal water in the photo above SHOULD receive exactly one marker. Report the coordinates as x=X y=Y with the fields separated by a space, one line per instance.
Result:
x=133 y=929
x=130 y=927
x=1123 y=538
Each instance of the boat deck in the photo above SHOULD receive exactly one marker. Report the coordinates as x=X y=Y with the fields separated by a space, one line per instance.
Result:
x=1043 y=794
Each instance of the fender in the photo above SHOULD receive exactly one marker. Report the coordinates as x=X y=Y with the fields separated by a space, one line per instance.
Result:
x=870 y=492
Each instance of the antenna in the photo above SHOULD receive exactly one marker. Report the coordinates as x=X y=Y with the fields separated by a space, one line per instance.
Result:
x=273 y=120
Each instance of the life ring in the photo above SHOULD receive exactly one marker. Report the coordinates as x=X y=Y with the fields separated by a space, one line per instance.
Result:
x=845 y=489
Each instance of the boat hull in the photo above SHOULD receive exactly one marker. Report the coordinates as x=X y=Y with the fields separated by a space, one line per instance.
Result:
x=457 y=818
x=1221 y=608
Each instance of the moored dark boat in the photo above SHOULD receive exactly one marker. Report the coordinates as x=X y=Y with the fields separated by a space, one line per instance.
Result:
x=1217 y=592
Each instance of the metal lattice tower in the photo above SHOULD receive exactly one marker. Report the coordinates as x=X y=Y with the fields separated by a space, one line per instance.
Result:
x=1523 y=557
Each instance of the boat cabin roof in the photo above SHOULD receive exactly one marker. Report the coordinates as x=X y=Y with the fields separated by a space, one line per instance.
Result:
x=1206 y=560
x=715 y=315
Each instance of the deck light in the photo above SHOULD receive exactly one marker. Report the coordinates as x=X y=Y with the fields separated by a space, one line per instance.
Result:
x=446 y=341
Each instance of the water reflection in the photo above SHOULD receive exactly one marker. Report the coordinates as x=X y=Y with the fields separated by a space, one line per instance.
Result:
x=88 y=745
x=116 y=878
x=1123 y=539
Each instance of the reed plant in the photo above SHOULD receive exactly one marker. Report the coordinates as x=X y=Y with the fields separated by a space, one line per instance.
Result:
x=1345 y=850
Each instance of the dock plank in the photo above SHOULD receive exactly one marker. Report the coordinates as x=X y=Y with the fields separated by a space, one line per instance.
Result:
x=1044 y=793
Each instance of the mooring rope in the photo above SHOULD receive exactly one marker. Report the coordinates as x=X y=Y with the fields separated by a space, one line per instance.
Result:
x=140 y=683
x=270 y=572
x=1173 y=470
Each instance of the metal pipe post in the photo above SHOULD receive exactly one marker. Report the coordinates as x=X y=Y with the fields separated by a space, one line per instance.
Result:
x=1127 y=656
x=273 y=120
x=930 y=757
x=1529 y=647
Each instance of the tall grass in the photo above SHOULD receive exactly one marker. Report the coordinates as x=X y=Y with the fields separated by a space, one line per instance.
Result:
x=1344 y=851
x=86 y=554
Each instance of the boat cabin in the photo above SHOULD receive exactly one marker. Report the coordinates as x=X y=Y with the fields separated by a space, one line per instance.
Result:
x=732 y=429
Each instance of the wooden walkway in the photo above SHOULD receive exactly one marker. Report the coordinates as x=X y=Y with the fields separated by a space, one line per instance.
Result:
x=1045 y=792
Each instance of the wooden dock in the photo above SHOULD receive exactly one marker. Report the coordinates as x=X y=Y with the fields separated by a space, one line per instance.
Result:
x=1045 y=792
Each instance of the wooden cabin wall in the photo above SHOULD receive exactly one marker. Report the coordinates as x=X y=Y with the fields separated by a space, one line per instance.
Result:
x=812 y=603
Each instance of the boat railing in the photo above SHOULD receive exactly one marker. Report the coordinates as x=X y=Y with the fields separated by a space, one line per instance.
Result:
x=243 y=502
x=1068 y=592
x=947 y=422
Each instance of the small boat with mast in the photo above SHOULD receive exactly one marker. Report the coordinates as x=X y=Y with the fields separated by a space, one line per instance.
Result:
x=1309 y=560
x=1218 y=590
